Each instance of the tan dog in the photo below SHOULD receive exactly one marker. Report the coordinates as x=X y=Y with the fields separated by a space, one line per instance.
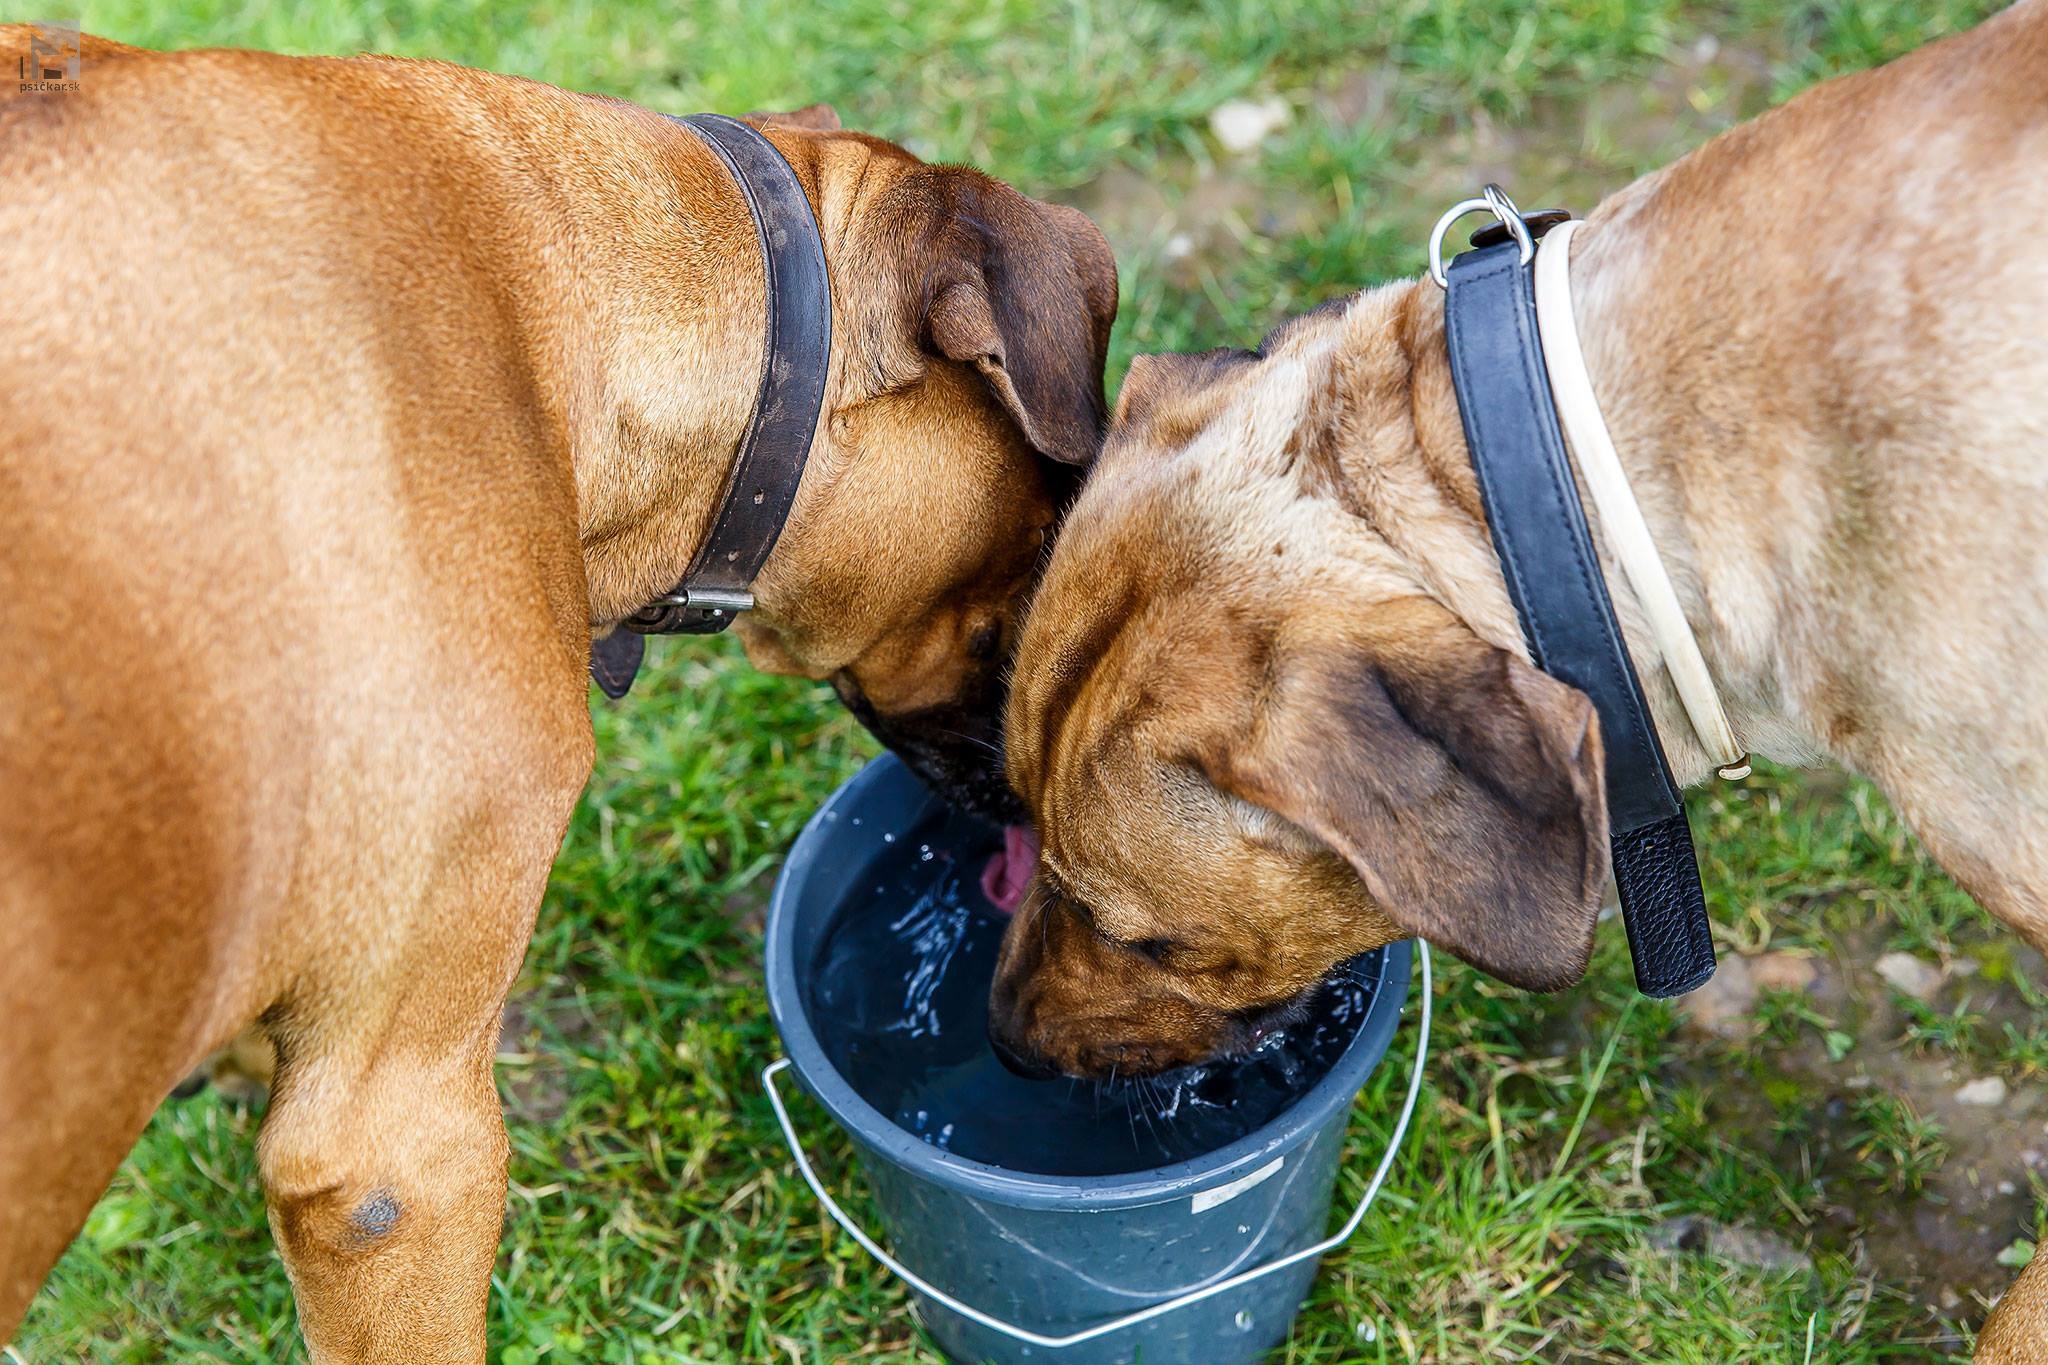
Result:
x=345 y=401
x=1272 y=704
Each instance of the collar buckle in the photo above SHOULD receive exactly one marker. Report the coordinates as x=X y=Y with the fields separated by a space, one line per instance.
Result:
x=690 y=611
x=733 y=600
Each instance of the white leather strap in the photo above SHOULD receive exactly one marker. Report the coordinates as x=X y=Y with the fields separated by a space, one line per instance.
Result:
x=1621 y=519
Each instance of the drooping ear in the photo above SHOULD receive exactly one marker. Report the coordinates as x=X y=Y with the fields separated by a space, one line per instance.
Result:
x=1026 y=293
x=819 y=118
x=1463 y=786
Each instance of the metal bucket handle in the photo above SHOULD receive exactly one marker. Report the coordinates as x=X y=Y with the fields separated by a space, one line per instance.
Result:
x=1193 y=1296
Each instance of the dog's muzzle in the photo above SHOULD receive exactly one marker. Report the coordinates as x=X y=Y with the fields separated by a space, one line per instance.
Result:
x=957 y=750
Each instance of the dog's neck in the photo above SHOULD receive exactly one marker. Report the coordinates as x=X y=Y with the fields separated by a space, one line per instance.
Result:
x=1717 y=448
x=674 y=361
x=1717 y=546
x=646 y=349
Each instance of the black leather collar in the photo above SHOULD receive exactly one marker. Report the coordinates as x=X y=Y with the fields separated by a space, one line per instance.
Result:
x=1553 y=576
x=762 y=485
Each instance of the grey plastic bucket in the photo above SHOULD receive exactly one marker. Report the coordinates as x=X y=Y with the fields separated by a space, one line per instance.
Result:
x=1031 y=1260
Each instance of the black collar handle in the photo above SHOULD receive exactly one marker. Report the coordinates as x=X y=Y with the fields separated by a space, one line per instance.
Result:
x=1553 y=577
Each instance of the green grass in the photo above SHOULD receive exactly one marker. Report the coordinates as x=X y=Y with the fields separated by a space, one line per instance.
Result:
x=653 y=1215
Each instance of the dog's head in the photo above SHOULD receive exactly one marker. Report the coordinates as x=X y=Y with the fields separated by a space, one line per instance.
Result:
x=970 y=329
x=1268 y=713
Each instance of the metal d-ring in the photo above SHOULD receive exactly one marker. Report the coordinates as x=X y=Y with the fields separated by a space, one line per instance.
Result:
x=1494 y=200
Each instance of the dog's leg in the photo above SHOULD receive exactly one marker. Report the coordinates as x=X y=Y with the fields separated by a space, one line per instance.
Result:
x=63 y=1131
x=383 y=1156
x=386 y=1187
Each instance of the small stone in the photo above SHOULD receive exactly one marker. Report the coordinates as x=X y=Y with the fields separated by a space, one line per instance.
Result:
x=1178 y=247
x=1949 y=1300
x=1241 y=125
x=1986 y=1091
x=1686 y=1232
x=2007 y=1187
x=1765 y=1251
x=1720 y=1009
x=1737 y=1245
x=1782 y=971
x=1910 y=975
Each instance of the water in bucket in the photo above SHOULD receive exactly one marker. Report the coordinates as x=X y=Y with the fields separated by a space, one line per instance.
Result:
x=899 y=1000
x=878 y=957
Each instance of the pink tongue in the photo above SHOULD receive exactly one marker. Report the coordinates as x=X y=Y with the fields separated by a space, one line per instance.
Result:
x=1009 y=872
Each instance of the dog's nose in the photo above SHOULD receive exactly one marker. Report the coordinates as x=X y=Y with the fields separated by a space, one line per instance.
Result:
x=1030 y=1068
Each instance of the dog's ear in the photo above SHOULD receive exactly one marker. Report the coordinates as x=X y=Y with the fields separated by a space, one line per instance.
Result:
x=1463 y=786
x=1155 y=381
x=1026 y=293
x=818 y=118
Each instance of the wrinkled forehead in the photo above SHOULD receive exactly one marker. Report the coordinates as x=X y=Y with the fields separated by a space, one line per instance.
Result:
x=1183 y=489
x=1130 y=830
x=1131 y=826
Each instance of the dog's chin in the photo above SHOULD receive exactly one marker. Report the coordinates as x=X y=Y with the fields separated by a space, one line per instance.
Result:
x=956 y=750
x=965 y=779
x=1104 y=1053
x=1101 y=1050
x=974 y=787
x=1251 y=1028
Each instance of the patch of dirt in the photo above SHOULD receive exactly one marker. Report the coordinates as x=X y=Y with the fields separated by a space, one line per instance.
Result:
x=1186 y=211
x=1572 y=153
x=1941 y=1243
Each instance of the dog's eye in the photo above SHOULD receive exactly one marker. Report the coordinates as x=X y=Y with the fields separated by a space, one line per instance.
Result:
x=1153 y=949
x=984 y=643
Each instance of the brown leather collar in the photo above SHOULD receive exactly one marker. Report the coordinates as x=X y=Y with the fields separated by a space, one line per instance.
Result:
x=762 y=485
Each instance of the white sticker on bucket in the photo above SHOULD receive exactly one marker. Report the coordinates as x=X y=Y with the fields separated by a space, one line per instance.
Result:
x=1223 y=1194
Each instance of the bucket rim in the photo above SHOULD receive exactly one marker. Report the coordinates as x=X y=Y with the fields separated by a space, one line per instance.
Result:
x=1328 y=1101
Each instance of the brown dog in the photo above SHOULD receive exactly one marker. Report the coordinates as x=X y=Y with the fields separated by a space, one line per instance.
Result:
x=345 y=401
x=1272 y=704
